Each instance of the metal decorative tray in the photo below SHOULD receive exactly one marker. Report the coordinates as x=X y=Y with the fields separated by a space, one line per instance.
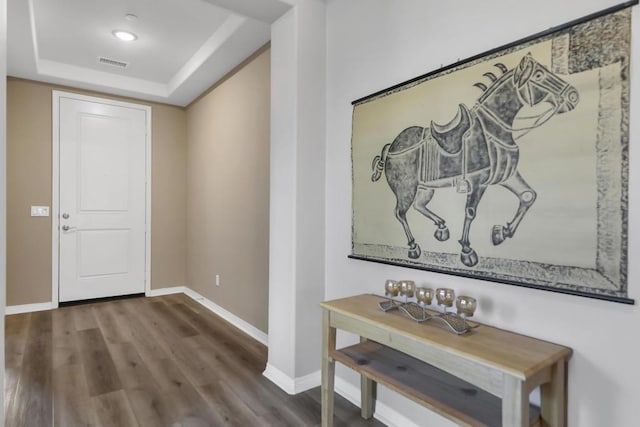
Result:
x=416 y=312
x=451 y=321
x=389 y=304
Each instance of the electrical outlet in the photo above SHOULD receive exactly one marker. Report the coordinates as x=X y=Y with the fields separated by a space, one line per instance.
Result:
x=39 y=210
x=217 y=280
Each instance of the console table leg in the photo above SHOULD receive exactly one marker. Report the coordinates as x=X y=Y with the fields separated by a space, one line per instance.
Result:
x=368 y=389
x=328 y=370
x=368 y=397
x=553 y=396
x=515 y=403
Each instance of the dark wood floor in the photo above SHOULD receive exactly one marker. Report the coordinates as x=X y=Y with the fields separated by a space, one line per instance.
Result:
x=164 y=361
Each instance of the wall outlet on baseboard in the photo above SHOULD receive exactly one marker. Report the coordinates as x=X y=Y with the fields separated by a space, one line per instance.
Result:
x=217 y=280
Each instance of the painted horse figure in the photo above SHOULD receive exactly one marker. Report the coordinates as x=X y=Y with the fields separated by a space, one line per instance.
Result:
x=476 y=149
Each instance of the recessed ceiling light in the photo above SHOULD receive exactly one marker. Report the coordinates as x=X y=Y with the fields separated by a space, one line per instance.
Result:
x=125 y=36
x=130 y=17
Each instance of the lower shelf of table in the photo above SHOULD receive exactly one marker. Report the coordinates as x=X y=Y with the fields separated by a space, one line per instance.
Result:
x=439 y=391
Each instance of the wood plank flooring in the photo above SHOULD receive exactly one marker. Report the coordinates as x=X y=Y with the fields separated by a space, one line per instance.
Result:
x=164 y=361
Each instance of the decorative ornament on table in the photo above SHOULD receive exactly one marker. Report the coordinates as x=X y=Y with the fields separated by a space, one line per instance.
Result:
x=445 y=297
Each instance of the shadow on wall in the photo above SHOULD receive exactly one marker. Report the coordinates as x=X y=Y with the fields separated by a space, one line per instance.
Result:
x=590 y=409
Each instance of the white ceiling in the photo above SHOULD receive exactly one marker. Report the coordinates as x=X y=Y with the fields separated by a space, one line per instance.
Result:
x=183 y=46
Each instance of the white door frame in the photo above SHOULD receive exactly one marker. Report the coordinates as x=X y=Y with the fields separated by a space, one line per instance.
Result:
x=55 y=191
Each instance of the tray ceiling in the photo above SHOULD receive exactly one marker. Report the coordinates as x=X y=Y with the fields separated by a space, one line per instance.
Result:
x=182 y=48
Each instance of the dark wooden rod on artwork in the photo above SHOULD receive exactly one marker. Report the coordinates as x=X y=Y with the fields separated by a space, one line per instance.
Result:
x=541 y=34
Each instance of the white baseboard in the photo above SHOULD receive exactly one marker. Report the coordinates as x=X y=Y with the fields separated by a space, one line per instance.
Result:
x=167 y=291
x=307 y=382
x=384 y=413
x=28 y=308
x=279 y=378
x=291 y=385
x=244 y=326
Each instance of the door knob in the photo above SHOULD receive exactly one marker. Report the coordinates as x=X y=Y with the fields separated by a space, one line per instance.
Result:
x=67 y=228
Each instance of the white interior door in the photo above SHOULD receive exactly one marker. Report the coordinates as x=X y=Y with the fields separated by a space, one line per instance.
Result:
x=102 y=199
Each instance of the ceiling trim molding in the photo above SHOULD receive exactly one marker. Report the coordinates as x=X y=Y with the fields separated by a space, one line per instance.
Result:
x=217 y=39
x=34 y=38
x=267 y=11
x=100 y=78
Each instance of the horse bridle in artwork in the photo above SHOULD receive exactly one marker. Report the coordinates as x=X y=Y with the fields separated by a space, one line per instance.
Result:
x=552 y=88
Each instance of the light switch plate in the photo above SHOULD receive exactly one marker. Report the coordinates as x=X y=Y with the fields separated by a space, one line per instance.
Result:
x=39 y=210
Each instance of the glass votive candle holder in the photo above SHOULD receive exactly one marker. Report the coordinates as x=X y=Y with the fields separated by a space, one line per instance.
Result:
x=424 y=295
x=391 y=288
x=445 y=297
x=407 y=288
x=466 y=305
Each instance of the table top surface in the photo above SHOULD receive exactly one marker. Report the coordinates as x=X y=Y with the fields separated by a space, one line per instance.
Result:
x=518 y=355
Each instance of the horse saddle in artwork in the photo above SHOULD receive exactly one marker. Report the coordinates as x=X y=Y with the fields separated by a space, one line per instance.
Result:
x=449 y=136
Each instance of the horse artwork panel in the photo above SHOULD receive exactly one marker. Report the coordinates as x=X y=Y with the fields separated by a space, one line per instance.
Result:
x=475 y=150
x=519 y=153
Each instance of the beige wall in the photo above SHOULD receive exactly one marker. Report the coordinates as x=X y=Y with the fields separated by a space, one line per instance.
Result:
x=168 y=197
x=210 y=192
x=228 y=192
x=29 y=183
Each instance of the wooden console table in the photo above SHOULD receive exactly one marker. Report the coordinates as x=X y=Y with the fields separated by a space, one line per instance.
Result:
x=482 y=378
